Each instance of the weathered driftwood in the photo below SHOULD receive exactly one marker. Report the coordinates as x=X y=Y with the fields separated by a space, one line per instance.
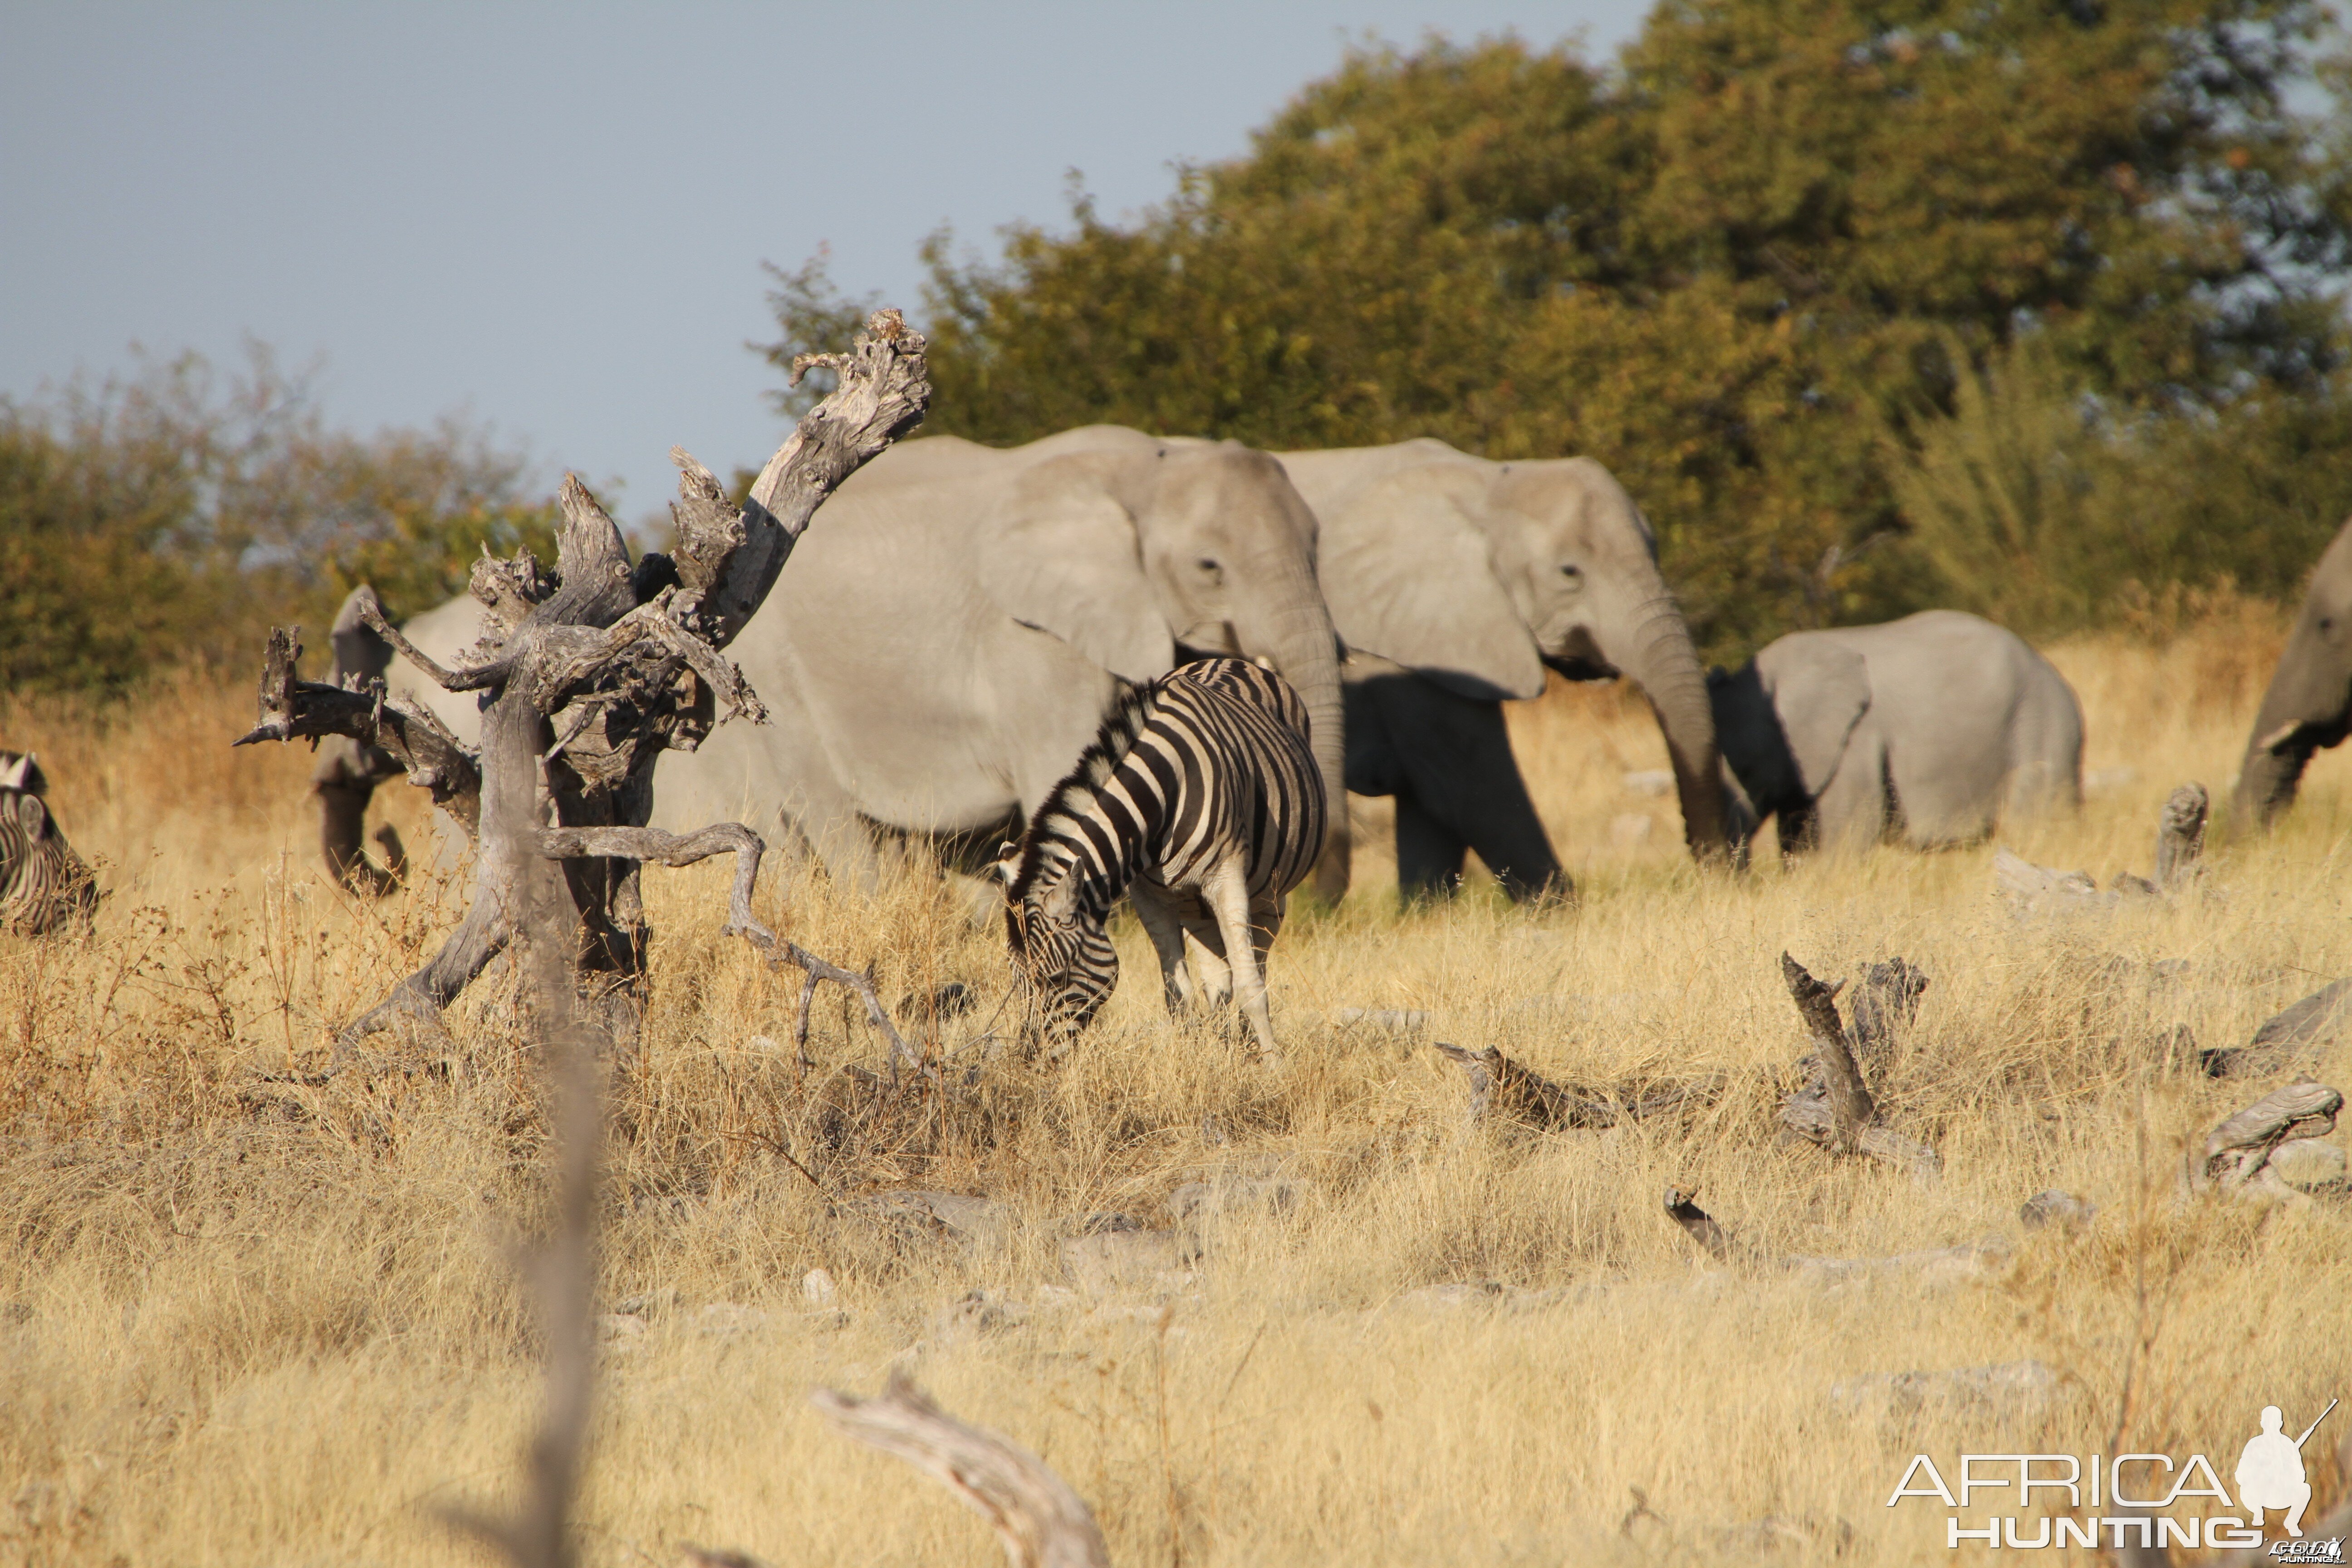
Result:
x=2235 y=1161
x=1835 y=1108
x=1041 y=1522
x=2180 y=836
x=589 y=673
x=1936 y=1265
x=1506 y=1090
x=2291 y=1038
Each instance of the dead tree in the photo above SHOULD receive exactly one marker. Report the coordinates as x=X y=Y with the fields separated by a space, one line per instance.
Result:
x=1041 y=1522
x=1835 y=1109
x=588 y=673
x=2180 y=836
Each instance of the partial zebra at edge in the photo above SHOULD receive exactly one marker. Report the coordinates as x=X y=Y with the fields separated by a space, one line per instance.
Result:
x=43 y=883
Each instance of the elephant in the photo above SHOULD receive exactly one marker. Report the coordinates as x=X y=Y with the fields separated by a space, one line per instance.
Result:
x=1455 y=582
x=956 y=619
x=1927 y=729
x=2309 y=703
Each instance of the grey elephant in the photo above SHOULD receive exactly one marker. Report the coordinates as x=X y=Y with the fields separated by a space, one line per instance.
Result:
x=948 y=637
x=2308 y=706
x=1927 y=730
x=1455 y=582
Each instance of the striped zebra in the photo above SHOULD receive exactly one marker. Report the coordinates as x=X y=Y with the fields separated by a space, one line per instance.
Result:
x=1201 y=800
x=42 y=881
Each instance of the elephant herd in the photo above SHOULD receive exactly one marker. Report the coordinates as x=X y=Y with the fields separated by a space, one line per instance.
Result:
x=959 y=618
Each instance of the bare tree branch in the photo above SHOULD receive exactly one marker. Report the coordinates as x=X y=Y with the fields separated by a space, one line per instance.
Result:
x=1041 y=1521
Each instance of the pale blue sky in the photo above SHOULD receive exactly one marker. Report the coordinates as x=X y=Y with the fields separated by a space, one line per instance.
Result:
x=554 y=216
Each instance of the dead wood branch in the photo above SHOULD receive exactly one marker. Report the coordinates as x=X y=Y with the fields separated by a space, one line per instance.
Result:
x=1851 y=1107
x=593 y=670
x=539 y=1534
x=2180 y=836
x=1508 y=1091
x=1835 y=1109
x=1041 y=1522
x=349 y=770
x=2236 y=1158
x=1697 y=1224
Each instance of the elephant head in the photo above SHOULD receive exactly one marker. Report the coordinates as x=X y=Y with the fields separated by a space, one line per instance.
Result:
x=2309 y=703
x=1151 y=552
x=1784 y=721
x=1479 y=575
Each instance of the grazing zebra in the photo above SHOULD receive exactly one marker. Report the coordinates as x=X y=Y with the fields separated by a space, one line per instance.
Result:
x=42 y=881
x=1200 y=799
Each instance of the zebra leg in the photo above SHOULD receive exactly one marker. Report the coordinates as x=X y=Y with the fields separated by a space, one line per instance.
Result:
x=1226 y=890
x=1156 y=907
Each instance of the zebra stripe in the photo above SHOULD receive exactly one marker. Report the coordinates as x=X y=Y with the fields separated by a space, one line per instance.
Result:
x=1201 y=796
x=42 y=881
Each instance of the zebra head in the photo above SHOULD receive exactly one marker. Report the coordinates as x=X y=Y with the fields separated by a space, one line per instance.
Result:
x=43 y=883
x=1062 y=953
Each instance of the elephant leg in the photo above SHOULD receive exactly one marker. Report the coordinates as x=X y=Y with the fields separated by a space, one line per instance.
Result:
x=1857 y=808
x=1455 y=756
x=1156 y=907
x=1429 y=854
x=1226 y=891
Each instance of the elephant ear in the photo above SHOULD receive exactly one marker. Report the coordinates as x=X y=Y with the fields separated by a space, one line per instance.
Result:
x=1407 y=575
x=1821 y=692
x=1060 y=556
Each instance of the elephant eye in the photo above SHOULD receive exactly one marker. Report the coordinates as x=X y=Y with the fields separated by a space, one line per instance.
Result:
x=2326 y=624
x=1208 y=564
x=1572 y=572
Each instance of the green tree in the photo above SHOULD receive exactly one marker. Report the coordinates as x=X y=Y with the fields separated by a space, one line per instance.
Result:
x=175 y=515
x=1777 y=232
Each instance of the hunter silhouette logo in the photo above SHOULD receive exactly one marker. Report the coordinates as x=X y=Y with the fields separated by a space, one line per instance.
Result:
x=2139 y=1489
x=2270 y=1471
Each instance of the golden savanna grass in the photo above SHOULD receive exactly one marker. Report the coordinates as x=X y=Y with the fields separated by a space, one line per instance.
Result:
x=246 y=1322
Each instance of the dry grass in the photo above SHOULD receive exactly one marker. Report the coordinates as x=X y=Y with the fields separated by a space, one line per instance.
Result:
x=243 y=1324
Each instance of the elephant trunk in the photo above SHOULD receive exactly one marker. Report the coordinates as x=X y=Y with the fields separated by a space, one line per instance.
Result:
x=1656 y=654
x=1307 y=651
x=2301 y=713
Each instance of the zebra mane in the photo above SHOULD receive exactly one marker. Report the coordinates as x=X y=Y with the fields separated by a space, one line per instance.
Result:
x=1121 y=727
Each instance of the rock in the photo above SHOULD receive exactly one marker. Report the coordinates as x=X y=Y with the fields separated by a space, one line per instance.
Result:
x=977 y=1314
x=725 y=1319
x=1116 y=1262
x=1629 y=828
x=914 y=1213
x=2308 y=1163
x=1199 y=1208
x=2037 y=889
x=1652 y=781
x=620 y=1330
x=1102 y=1224
x=2052 y=1207
x=817 y=1288
x=1395 y=1020
x=2007 y=1389
x=1937 y=1266
x=649 y=1304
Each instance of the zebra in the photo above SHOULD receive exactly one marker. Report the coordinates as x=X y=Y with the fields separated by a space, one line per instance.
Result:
x=1199 y=799
x=42 y=881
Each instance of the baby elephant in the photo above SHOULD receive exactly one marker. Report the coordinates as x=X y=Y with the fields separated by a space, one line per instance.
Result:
x=1924 y=731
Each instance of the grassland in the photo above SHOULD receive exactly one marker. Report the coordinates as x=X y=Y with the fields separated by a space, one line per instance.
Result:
x=247 y=1322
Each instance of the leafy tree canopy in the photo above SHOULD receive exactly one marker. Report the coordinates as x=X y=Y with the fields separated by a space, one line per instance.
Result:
x=1745 y=267
x=177 y=515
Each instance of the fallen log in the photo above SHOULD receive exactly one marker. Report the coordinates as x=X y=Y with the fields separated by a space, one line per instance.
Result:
x=1507 y=1090
x=2236 y=1159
